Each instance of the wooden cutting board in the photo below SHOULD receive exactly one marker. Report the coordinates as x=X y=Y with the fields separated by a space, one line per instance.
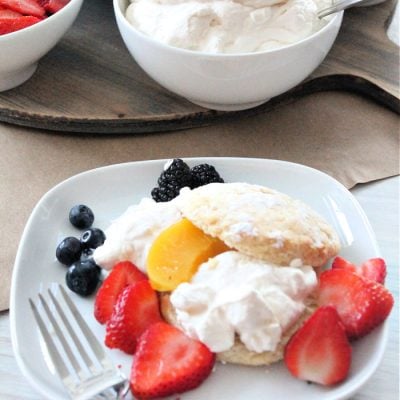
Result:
x=90 y=83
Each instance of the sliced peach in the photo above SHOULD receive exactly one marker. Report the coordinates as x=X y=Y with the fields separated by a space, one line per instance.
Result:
x=177 y=252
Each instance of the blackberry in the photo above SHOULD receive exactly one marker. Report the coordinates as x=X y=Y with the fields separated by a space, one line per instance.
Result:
x=174 y=178
x=162 y=194
x=203 y=174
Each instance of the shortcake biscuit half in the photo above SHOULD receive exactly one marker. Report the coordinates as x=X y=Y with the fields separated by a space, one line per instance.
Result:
x=261 y=222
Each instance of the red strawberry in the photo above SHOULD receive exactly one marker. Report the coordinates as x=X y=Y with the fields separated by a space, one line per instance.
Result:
x=6 y=13
x=374 y=268
x=361 y=303
x=320 y=351
x=8 y=25
x=342 y=263
x=52 y=6
x=168 y=362
x=26 y=7
x=123 y=274
x=136 y=309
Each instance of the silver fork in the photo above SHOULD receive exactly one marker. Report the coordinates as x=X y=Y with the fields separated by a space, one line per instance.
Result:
x=85 y=374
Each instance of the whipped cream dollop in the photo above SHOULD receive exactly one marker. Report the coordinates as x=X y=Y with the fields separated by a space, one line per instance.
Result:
x=236 y=294
x=130 y=236
x=227 y=26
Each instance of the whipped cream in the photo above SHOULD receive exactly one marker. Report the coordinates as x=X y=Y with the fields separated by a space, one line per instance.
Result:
x=130 y=236
x=236 y=294
x=227 y=26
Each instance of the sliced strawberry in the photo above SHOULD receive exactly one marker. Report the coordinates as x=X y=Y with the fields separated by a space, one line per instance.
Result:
x=168 y=362
x=6 y=13
x=374 y=268
x=342 y=263
x=52 y=6
x=320 y=351
x=136 y=309
x=123 y=274
x=362 y=304
x=25 y=7
x=8 y=25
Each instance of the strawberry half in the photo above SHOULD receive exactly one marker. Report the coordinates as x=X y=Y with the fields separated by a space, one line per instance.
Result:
x=12 y=24
x=362 y=304
x=25 y=7
x=342 y=263
x=6 y=13
x=136 y=309
x=374 y=268
x=123 y=274
x=168 y=362
x=52 y=6
x=320 y=351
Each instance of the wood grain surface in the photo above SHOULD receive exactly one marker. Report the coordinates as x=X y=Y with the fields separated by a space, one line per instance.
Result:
x=89 y=82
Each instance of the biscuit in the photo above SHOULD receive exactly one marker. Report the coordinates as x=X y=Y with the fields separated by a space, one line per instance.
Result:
x=261 y=223
x=238 y=353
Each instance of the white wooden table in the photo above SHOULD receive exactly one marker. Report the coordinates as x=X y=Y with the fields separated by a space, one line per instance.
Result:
x=380 y=201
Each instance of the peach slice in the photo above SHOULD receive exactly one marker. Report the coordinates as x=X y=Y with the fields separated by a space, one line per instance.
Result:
x=177 y=252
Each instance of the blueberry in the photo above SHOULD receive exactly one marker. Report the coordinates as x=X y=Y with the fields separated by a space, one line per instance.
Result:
x=81 y=216
x=69 y=250
x=92 y=238
x=83 y=277
x=86 y=254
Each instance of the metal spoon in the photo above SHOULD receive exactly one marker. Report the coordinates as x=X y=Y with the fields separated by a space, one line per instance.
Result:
x=339 y=6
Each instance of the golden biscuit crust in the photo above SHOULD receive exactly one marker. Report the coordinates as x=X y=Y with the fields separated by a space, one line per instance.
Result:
x=261 y=223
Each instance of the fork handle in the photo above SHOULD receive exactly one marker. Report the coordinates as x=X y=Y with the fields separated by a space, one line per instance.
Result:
x=116 y=392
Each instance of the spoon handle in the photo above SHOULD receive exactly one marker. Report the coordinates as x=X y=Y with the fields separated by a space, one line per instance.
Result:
x=338 y=6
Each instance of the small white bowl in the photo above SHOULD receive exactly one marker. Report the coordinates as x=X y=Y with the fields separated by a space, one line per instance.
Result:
x=20 y=51
x=227 y=81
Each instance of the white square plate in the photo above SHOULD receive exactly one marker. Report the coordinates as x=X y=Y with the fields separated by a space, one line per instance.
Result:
x=109 y=191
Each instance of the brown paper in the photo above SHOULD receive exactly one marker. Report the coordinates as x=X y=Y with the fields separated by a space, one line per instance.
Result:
x=344 y=135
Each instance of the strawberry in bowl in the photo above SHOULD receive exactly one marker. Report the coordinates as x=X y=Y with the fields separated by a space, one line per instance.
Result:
x=28 y=30
x=19 y=14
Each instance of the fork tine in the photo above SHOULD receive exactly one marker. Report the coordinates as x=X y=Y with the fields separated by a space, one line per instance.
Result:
x=61 y=337
x=80 y=386
x=91 y=338
x=55 y=356
x=81 y=350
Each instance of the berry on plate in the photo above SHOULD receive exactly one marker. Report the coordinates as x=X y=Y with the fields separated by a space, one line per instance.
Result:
x=168 y=362
x=83 y=277
x=69 y=250
x=320 y=351
x=123 y=274
x=362 y=304
x=81 y=216
x=374 y=268
x=135 y=310
x=92 y=238
x=176 y=176
x=203 y=174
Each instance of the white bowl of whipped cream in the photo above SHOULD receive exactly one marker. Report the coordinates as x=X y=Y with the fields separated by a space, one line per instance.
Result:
x=227 y=54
